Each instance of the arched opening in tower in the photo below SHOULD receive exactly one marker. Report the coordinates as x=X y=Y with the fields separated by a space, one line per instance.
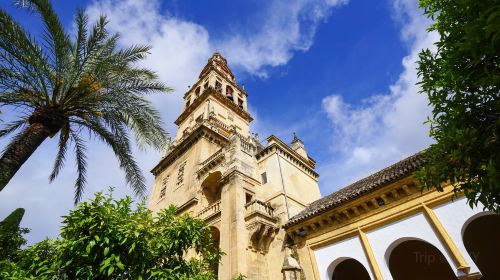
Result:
x=211 y=187
x=216 y=244
x=350 y=269
x=416 y=260
x=229 y=93
x=482 y=241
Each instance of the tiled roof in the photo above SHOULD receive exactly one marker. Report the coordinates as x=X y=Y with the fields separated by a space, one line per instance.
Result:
x=381 y=178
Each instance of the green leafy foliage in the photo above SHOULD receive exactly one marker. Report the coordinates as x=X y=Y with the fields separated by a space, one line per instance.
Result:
x=462 y=82
x=71 y=85
x=240 y=277
x=11 y=235
x=110 y=239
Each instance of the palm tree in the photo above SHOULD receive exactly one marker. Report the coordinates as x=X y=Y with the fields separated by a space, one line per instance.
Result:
x=67 y=87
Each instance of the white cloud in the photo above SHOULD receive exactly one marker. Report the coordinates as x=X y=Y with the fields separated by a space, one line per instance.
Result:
x=383 y=128
x=179 y=48
x=286 y=27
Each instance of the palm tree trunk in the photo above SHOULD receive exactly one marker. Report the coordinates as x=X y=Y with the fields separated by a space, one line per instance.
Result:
x=20 y=149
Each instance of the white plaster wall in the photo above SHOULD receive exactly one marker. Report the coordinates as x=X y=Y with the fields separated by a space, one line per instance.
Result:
x=453 y=216
x=347 y=248
x=412 y=227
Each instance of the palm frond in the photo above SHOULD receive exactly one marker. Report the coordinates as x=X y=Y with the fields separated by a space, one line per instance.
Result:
x=58 y=42
x=133 y=81
x=12 y=126
x=95 y=50
x=97 y=37
x=101 y=58
x=22 y=97
x=21 y=53
x=81 y=165
x=13 y=98
x=141 y=117
x=78 y=58
x=14 y=140
x=61 y=154
x=13 y=77
x=82 y=21
x=120 y=144
x=133 y=53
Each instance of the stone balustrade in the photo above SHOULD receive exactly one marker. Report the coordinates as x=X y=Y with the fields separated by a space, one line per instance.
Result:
x=210 y=158
x=260 y=207
x=209 y=211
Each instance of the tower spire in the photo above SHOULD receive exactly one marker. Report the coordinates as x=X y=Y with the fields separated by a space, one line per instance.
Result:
x=218 y=62
x=298 y=146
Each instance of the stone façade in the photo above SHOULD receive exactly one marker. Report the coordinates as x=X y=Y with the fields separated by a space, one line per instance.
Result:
x=217 y=170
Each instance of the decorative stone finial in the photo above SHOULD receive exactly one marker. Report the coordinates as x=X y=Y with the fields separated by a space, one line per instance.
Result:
x=298 y=146
x=218 y=57
x=296 y=139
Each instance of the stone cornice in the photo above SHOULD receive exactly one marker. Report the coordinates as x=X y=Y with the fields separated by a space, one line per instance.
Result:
x=289 y=154
x=329 y=228
x=393 y=173
x=235 y=173
x=363 y=206
x=186 y=205
x=290 y=197
x=308 y=161
x=210 y=91
x=210 y=162
x=201 y=130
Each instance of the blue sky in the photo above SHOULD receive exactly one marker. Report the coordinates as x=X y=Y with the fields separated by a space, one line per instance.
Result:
x=339 y=73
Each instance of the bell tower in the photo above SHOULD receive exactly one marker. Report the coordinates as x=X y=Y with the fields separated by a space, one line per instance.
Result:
x=215 y=95
x=215 y=169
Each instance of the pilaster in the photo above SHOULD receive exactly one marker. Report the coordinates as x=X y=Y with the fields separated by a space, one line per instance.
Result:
x=234 y=237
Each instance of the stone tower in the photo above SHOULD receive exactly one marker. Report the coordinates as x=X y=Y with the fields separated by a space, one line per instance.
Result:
x=217 y=170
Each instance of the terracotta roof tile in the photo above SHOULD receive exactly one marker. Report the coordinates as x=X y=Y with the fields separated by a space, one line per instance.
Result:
x=378 y=179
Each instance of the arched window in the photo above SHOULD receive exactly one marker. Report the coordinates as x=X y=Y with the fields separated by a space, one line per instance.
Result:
x=218 y=86
x=197 y=92
x=229 y=93
x=350 y=269
x=240 y=103
x=211 y=187
x=216 y=243
x=481 y=238
x=416 y=260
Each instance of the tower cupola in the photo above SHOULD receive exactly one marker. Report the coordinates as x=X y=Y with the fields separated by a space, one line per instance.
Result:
x=217 y=61
x=215 y=95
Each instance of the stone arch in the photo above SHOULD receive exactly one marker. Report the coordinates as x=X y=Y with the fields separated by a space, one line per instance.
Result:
x=346 y=268
x=414 y=259
x=474 y=217
x=216 y=244
x=229 y=92
x=211 y=187
x=394 y=244
x=480 y=235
